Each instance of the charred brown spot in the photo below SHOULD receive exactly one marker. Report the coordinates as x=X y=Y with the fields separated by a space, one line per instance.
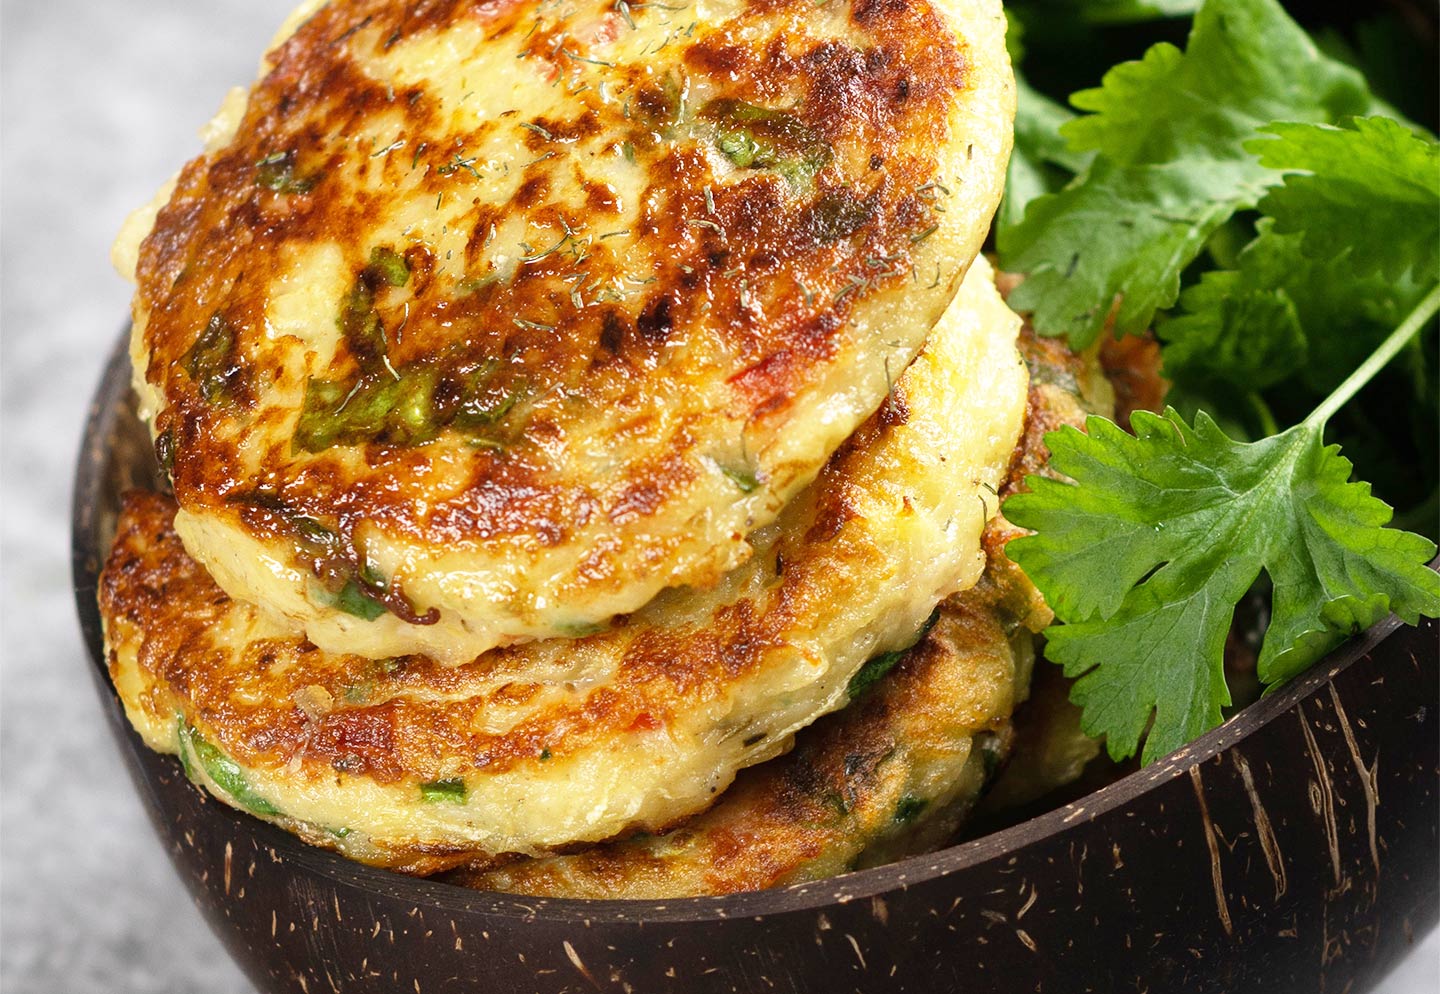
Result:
x=612 y=332
x=868 y=12
x=657 y=320
x=533 y=191
x=831 y=519
x=602 y=198
x=715 y=57
x=363 y=740
x=586 y=125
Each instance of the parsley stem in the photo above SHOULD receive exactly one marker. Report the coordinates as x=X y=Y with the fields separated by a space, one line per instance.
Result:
x=1388 y=349
x=1262 y=413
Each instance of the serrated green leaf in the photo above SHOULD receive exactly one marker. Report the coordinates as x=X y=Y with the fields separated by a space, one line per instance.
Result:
x=1235 y=326
x=1038 y=122
x=1042 y=161
x=1169 y=132
x=1146 y=553
x=1373 y=186
x=1343 y=571
x=1121 y=234
x=1235 y=332
x=1246 y=64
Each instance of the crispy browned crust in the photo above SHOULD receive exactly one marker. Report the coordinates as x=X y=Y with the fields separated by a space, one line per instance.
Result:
x=216 y=249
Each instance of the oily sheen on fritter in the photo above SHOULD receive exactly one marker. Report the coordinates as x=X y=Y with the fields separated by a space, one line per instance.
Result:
x=410 y=763
x=484 y=322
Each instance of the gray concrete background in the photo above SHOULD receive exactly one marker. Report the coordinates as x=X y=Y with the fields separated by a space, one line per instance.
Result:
x=101 y=100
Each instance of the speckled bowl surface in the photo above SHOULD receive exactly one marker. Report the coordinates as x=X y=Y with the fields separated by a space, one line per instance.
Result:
x=1294 y=849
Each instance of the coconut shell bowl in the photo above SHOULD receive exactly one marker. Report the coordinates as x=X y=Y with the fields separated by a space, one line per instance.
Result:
x=1292 y=849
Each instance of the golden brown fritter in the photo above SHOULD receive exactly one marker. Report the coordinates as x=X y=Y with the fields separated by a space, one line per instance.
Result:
x=894 y=773
x=551 y=743
x=487 y=321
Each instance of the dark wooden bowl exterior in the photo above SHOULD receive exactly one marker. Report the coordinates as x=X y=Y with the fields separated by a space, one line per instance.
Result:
x=1292 y=850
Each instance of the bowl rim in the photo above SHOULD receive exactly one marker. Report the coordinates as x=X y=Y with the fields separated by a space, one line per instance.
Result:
x=110 y=402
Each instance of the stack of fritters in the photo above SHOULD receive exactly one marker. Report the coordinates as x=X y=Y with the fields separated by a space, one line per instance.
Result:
x=560 y=418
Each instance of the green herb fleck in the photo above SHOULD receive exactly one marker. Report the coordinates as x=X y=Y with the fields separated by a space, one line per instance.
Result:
x=397 y=411
x=277 y=172
x=908 y=808
x=209 y=361
x=745 y=479
x=353 y=599
x=390 y=266
x=221 y=770
x=878 y=667
x=451 y=790
x=755 y=137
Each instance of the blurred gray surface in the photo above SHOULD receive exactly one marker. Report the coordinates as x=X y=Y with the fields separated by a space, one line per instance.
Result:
x=101 y=100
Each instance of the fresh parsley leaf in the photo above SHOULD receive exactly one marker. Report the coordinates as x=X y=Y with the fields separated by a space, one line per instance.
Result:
x=1373 y=186
x=1121 y=233
x=1236 y=330
x=1169 y=132
x=1326 y=278
x=1282 y=315
x=1147 y=552
x=1246 y=64
x=1146 y=548
x=1042 y=161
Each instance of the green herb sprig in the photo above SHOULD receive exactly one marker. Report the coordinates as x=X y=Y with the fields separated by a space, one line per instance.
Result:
x=1279 y=227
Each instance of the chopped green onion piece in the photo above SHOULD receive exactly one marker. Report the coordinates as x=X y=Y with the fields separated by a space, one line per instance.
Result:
x=738 y=147
x=909 y=808
x=277 y=172
x=390 y=266
x=745 y=479
x=208 y=360
x=451 y=790
x=872 y=672
x=352 y=599
x=364 y=333
x=397 y=411
x=222 y=771
x=754 y=137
